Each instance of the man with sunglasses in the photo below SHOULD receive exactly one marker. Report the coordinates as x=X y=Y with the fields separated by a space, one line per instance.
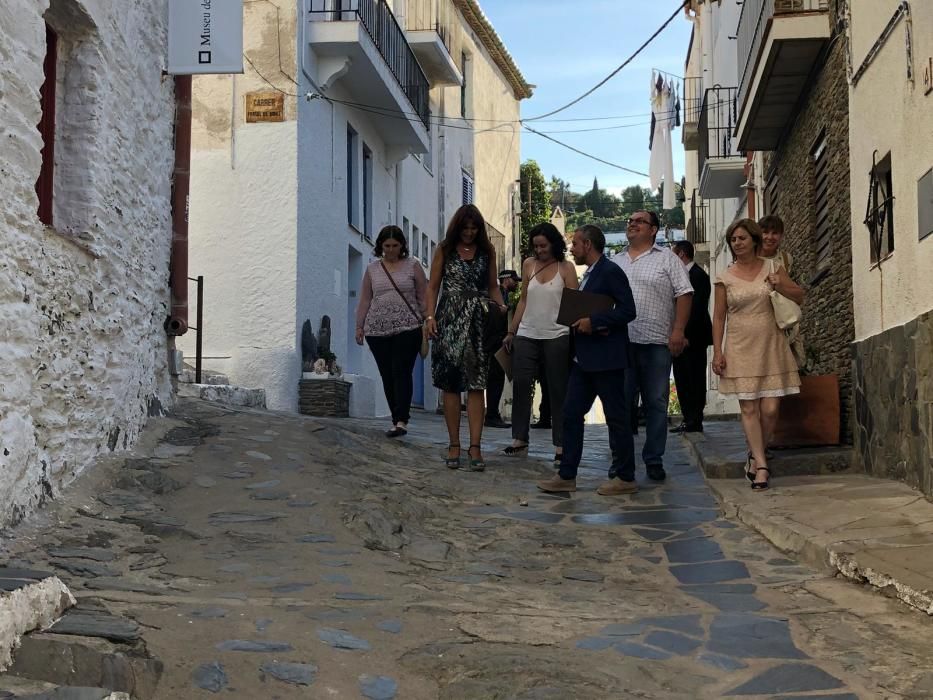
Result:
x=663 y=297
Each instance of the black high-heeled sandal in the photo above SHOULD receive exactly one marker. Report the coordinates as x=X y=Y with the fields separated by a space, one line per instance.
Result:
x=476 y=464
x=515 y=450
x=749 y=474
x=453 y=462
x=762 y=485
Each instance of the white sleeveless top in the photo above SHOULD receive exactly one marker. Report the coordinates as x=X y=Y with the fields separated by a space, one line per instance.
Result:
x=539 y=322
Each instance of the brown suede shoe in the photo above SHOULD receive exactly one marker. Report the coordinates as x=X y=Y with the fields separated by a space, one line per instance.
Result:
x=557 y=485
x=617 y=487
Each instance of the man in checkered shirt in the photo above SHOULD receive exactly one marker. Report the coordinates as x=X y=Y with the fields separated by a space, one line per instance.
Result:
x=663 y=295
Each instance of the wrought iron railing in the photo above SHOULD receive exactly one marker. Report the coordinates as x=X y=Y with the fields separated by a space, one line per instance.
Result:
x=696 y=228
x=434 y=15
x=390 y=41
x=753 y=24
x=693 y=100
x=717 y=124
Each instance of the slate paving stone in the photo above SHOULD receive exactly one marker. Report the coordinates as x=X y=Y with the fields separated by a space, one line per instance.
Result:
x=337 y=552
x=835 y=696
x=583 y=575
x=746 y=636
x=211 y=677
x=378 y=687
x=83 y=568
x=335 y=615
x=535 y=516
x=263 y=485
x=487 y=570
x=653 y=560
x=239 y=517
x=21 y=573
x=640 y=651
x=428 y=550
x=711 y=572
x=723 y=663
x=235 y=568
x=254 y=646
x=270 y=496
x=693 y=551
x=724 y=524
x=464 y=578
x=9 y=585
x=92 y=553
x=622 y=630
x=595 y=643
x=290 y=587
x=672 y=642
x=316 y=539
x=233 y=595
x=648 y=517
x=205 y=482
x=781 y=562
x=486 y=510
x=390 y=626
x=339 y=579
x=652 y=535
x=340 y=639
x=725 y=600
x=788 y=678
x=254 y=454
x=686 y=624
x=238 y=474
x=209 y=613
x=353 y=595
x=695 y=533
x=302 y=504
x=122 y=584
x=576 y=507
x=688 y=500
x=90 y=624
x=335 y=564
x=292 y=673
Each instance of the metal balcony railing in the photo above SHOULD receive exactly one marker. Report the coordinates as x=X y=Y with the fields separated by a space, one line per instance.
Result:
x=717 y=124
x=753 y=24
x=389 y=39
x=696 y=229
x=436 y=15
x=693 y=99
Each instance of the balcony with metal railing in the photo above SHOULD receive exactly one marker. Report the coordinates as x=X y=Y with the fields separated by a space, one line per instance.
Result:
x=360 y=43
x=778 y=43
x=720 y=162
x=693 y=106
x=431 y=27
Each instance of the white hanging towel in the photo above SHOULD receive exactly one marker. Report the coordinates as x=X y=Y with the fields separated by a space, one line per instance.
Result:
x=655 y=164
x=661 y=163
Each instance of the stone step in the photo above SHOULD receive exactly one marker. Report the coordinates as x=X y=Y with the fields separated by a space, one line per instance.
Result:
x=29 y=600
x=16 y=688
x=228 y=395
x=187 y=376
x=90 y=647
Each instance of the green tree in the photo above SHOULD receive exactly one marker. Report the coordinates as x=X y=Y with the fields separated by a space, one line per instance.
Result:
x=536 y=201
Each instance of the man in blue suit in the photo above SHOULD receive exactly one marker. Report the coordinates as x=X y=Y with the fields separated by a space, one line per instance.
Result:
x=600 y=349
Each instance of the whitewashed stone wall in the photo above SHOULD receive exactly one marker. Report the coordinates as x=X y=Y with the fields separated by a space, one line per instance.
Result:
x=84 y=355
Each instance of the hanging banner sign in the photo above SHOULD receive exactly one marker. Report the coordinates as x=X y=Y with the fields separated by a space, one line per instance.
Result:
x=205 y=36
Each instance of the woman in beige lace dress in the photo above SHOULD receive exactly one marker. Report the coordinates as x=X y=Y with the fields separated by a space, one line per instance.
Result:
x=755 y=363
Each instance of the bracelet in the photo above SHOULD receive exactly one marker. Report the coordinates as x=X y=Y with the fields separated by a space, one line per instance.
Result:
x=428 y=318
x=509 y=333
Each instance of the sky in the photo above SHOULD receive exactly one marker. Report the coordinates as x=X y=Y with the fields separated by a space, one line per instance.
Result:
x=565 y=47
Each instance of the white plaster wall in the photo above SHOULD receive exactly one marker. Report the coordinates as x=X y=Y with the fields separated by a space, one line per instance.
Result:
x=83 y=303
x=888 y=114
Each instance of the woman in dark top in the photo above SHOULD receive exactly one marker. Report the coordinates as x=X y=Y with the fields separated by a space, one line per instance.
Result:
x=389 y=317
x=463 y=274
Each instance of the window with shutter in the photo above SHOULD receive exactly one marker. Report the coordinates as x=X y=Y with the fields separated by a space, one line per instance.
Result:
x=467 y=188
x=821 y=205
x=880 y=217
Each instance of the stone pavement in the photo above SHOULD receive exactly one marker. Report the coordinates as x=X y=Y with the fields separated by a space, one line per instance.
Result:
x=875 y=531
x=265 y=555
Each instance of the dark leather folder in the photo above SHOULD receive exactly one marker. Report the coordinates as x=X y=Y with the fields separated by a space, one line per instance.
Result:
x=576 y=304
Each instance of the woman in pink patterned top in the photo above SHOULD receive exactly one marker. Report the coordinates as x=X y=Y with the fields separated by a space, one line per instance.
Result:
x=389 y=316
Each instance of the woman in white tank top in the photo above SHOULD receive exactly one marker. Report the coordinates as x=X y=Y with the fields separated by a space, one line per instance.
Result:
x=540 y=347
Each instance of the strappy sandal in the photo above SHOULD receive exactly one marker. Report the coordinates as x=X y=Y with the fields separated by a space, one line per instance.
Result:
x=762 y=485
x=749 y=473
x=453 y=462
x=476 y=465
x=515 y=450
x=557 y=460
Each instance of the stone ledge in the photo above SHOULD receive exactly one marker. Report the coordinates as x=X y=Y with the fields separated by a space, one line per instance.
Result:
x=30 y=600
x=225 y=394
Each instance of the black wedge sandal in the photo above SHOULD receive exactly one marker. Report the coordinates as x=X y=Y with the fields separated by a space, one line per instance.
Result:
x=452 y=462
x=476 y=465
x=762 y=485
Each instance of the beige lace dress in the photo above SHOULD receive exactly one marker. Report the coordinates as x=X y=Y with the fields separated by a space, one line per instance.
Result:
x=759 y=363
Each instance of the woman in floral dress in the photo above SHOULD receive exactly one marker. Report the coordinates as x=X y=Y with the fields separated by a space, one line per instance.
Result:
x=463 y=275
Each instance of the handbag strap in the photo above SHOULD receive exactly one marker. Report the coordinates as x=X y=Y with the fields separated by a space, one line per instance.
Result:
x=395 y=286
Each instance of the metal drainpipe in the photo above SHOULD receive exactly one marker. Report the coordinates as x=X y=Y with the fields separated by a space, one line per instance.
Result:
x=177 y=322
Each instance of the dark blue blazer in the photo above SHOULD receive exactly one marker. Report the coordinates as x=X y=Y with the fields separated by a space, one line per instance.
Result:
x=607 y=348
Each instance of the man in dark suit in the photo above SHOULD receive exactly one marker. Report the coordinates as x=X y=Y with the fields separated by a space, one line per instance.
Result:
x=600 y=356
x=690 y=365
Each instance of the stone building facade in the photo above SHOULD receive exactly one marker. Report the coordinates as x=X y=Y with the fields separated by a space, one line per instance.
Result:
x=85 y=235
x=793 y=190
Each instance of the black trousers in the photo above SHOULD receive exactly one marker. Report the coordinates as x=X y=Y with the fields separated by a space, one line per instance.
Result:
x=495 y=383
x=690 y=378
x=395 y=357
x=544 y=405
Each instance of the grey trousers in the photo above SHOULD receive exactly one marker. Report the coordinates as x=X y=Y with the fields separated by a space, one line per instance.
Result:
x=529 y=357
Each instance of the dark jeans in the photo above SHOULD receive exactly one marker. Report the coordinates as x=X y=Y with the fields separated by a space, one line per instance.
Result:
x=395 y=357
x=549 y=360
x=650 y=375
x=582 y=390
x=495 y=383
x=690 y=377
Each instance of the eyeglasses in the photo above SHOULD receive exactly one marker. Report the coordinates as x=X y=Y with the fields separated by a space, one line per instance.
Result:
x=638 y=221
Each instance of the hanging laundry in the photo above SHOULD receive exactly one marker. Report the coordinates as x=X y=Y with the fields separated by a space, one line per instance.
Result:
x=661 y=163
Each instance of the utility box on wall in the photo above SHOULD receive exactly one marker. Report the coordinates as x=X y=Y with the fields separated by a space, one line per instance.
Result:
x=925 y=205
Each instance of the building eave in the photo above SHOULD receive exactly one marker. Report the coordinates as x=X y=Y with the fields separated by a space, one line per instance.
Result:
x=486 y=33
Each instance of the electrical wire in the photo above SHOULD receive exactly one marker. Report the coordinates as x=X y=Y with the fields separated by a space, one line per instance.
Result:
x=266 y=80
x=617 y=70
x=584 y=153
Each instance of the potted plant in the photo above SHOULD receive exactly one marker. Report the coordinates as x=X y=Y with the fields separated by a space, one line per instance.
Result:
x=811 y=417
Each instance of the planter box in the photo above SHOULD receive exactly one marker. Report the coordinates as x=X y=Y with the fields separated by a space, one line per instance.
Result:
x=812 y=416
x=324 y=397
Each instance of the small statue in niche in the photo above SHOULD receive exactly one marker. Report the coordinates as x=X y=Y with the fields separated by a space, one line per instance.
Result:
x=309 y=351
x=323 y=343
x=320 y=367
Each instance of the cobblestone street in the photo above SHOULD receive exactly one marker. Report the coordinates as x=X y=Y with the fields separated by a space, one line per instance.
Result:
x=267 y=555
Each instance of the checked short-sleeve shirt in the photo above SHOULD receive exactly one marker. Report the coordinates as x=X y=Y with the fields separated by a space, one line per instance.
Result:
x=657 y=278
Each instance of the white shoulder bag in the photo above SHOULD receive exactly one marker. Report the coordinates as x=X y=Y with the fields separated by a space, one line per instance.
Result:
x=786 y=311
